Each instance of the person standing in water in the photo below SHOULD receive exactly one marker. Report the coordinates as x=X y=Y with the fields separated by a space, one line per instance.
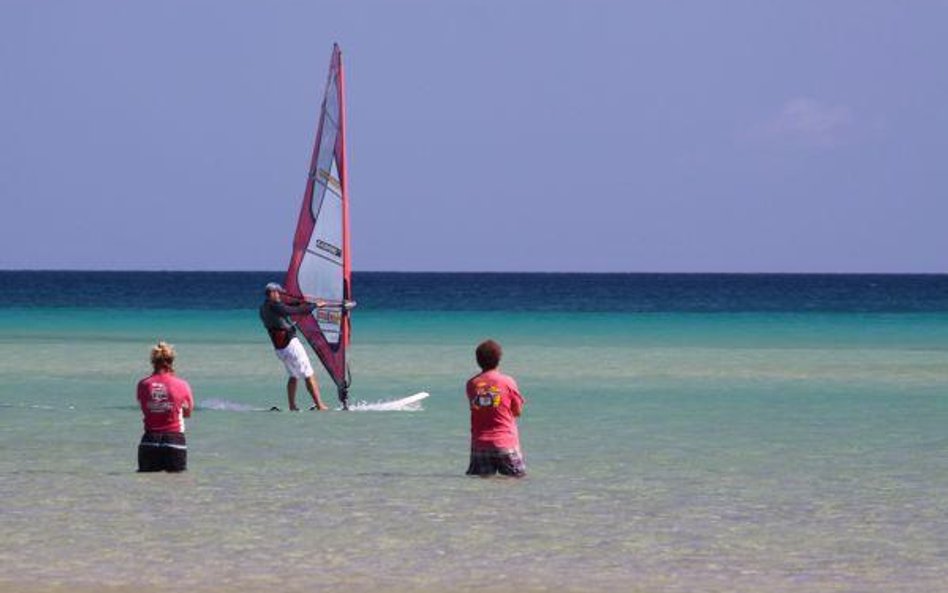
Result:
x=275 y=315
x=166 y=400
x=495 y=403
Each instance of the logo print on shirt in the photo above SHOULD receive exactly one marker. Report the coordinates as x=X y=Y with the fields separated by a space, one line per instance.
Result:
x=158 y=398
x=486 y=395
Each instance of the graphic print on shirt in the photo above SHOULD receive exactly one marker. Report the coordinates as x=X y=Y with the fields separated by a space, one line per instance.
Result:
x=486 y=395
x=158 y=400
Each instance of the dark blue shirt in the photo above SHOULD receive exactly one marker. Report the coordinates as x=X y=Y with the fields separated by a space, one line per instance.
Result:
x=275 y=316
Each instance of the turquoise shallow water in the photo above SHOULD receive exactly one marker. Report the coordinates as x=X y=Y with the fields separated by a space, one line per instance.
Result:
x=672 y=452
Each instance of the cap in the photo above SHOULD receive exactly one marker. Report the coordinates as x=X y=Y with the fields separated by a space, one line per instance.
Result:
x=273 y=286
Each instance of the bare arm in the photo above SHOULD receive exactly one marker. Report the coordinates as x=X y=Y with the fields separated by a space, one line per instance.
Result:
x=188 y=405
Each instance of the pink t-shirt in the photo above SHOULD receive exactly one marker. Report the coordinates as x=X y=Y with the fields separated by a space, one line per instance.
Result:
x=495 y=404
x=163 y=398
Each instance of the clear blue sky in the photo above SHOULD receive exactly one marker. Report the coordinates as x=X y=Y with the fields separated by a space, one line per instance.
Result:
x=549 y=135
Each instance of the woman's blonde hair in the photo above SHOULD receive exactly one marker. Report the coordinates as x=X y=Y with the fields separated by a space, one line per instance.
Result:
x=162 y=356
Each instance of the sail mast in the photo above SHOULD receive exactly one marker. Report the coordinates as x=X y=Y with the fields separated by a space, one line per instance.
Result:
x=344 y=179
x=346 y=252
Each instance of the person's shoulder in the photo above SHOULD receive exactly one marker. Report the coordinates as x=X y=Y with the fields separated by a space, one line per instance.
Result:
x=479 y=378
x=181 y=387
x=504 y=376
x=508 y=380
x=179 y=380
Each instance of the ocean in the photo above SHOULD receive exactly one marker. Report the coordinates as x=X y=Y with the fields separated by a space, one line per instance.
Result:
x=682 y=433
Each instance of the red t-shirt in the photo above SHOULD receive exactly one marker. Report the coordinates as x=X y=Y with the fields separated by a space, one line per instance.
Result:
x=495 y=404
x=163 y=397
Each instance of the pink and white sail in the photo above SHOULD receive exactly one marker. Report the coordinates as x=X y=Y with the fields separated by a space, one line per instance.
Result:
x=320 y=267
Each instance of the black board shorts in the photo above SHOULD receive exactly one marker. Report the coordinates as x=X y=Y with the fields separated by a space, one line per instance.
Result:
x=487 y=462
x=162 y=452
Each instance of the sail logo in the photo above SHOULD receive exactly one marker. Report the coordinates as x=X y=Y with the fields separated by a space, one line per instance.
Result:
x=330 y=181
x=329 y=248
x=324 y=316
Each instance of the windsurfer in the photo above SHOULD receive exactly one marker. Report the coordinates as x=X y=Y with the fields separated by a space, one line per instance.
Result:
x=496 y=404
x=275 y=315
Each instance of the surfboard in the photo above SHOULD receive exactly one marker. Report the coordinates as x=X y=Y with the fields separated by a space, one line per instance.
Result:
x=412 y=403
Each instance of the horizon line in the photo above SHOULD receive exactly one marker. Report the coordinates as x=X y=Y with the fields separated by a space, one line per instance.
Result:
x=522 y=272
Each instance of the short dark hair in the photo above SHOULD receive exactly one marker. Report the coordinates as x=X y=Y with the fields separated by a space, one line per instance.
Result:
x=488 y=354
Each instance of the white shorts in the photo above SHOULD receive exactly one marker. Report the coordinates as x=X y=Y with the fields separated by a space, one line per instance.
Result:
x=295 y=360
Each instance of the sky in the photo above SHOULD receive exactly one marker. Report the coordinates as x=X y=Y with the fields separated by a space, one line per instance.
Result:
x=547 y=135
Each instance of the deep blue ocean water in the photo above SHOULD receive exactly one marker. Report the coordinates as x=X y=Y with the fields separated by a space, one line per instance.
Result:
x=718 y=433
x=516 y=292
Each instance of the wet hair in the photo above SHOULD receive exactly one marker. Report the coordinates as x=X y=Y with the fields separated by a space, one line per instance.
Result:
x=488 y=355
x=162 y=356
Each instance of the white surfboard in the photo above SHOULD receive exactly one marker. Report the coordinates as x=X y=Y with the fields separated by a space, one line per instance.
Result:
x=412 y=403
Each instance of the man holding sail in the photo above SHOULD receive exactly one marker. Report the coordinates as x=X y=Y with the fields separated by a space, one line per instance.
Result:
x=275 y=315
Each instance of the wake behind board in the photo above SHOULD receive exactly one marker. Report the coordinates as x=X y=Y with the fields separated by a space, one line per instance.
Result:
x=412 y=403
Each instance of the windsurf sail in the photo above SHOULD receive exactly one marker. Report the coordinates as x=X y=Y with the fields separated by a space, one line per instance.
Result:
x=320 y=267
